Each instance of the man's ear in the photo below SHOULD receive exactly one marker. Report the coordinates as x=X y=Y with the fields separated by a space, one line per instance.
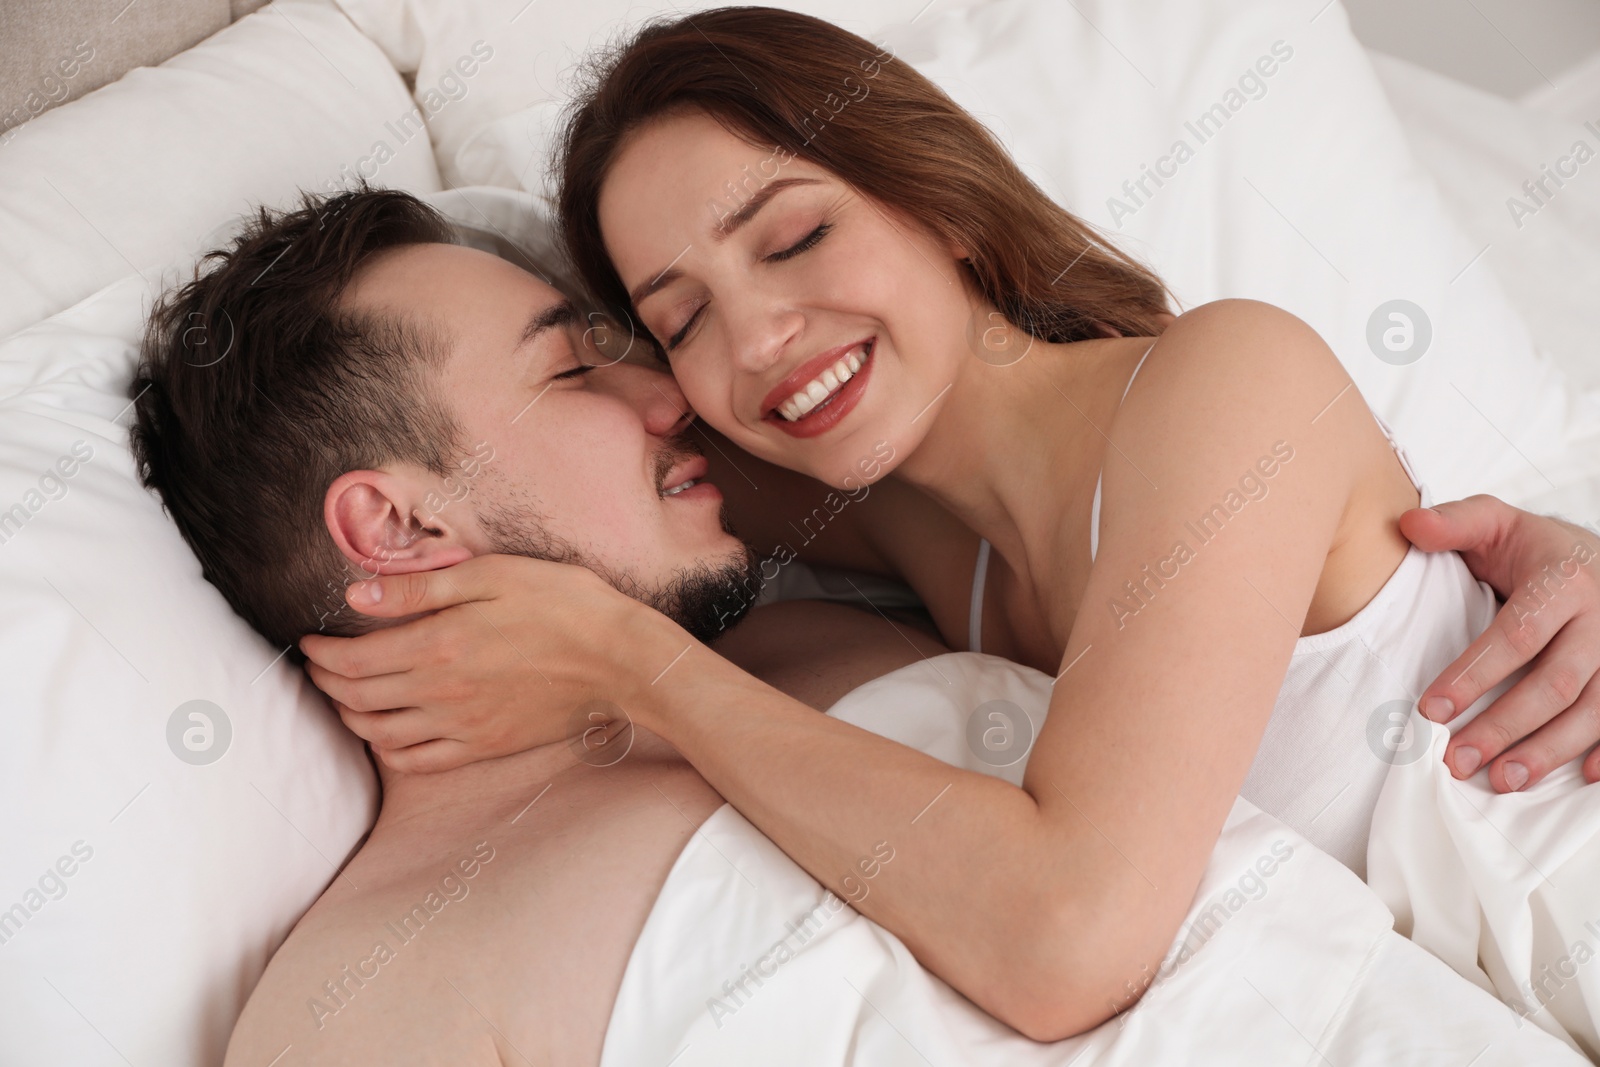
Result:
x=375 y=520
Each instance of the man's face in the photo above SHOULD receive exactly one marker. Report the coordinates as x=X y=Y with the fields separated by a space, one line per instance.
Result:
x=568 y=456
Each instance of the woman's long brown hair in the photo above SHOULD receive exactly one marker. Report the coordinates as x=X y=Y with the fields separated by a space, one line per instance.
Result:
x=807 y=88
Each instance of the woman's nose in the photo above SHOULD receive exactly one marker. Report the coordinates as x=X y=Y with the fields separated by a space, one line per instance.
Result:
x=758 y=334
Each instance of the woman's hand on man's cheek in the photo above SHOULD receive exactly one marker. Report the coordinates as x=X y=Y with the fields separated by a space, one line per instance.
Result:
x=497 y=655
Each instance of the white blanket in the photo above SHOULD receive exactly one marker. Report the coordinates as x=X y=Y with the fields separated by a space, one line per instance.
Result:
x=1286 y=957
x=1505 y=888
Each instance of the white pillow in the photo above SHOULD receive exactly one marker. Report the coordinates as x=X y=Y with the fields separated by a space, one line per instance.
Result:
x=178 y=879
x=1308 y=197
x=520 y=52
x=135 y=174
x=141 y=894
x=1480 y=148
x=1305 y=195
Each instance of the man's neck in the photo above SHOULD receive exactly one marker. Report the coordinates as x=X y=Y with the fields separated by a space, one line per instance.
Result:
x=473 y=790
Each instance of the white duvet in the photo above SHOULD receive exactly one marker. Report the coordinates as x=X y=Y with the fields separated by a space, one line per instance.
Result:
x=1504 y=887
x=1286 y=956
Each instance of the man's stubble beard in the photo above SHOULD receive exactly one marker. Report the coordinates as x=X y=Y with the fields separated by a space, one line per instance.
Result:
x=704 y=598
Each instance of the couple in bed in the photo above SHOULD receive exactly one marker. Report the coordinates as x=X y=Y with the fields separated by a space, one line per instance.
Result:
x=904 y=360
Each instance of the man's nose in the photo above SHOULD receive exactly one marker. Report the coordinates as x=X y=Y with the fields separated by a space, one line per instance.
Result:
x=654 y=395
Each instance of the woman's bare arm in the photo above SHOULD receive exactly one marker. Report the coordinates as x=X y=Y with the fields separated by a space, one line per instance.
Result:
x=1039 y=903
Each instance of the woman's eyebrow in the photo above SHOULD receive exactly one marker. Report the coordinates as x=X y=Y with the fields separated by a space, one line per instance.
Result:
x=729 y=224
x=726 y=227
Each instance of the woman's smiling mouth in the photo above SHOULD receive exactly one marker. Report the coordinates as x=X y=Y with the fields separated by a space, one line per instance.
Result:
x=822 y=391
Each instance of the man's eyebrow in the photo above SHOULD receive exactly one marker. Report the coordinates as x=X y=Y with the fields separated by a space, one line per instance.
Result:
x=726 y=227
x=550 y=318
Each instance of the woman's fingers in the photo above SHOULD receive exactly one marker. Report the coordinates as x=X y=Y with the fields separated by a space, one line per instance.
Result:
x=460 y=662
x=429 y=757
x=386 y=651
x=1551 y=693
x=1569 y=735
x=394 y=596
x=388 y=730
x=378 y=693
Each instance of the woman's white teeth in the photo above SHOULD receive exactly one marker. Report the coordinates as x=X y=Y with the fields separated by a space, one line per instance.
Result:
x=822 y=386
x=675 y=490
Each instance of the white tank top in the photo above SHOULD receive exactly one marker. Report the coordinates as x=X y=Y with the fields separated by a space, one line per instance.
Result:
x=1339 y=722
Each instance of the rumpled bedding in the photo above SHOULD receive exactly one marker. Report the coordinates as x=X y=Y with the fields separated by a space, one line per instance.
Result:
x=1286 y=957
x=1504 y=887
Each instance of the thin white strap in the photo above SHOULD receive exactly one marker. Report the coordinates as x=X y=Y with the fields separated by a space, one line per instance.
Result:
x=1405 y=460
x=1094 y=509
x=980 y=571
x=1094 y=519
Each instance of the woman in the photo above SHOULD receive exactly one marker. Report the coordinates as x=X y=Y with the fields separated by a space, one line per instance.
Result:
x=1191 y=521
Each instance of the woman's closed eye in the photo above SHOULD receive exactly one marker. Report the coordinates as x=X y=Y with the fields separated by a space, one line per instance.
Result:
x=683 y=331
x=805 y=244
x=576 y=372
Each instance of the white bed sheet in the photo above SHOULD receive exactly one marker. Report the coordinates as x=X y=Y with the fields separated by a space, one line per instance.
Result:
x=1504 y=887
x=1286 y=957
x=139 y=1024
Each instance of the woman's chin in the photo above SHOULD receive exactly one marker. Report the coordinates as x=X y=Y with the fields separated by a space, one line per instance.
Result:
x=853 y=453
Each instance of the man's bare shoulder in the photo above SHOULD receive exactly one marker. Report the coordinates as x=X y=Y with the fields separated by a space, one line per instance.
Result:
x=492 y=912
x=817 y=651
x=366 y=976
x=489 y=917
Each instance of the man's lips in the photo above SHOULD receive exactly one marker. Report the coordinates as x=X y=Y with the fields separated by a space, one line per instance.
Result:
x=808 y=372
x=691 y=469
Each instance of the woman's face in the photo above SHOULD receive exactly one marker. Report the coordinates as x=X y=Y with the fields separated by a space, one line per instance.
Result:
x=803 y=321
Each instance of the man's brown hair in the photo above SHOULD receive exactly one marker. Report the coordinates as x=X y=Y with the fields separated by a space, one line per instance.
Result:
x=256 y=389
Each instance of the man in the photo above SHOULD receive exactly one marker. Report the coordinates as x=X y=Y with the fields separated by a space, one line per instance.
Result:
x=492 y=910
x=389 y=403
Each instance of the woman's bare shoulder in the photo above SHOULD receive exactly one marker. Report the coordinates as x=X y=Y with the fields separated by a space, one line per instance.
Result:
x=1250 y=336
x=1241 y=407
x=1242 y=364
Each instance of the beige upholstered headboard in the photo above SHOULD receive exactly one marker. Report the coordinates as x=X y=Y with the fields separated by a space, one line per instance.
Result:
x=52 y=51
